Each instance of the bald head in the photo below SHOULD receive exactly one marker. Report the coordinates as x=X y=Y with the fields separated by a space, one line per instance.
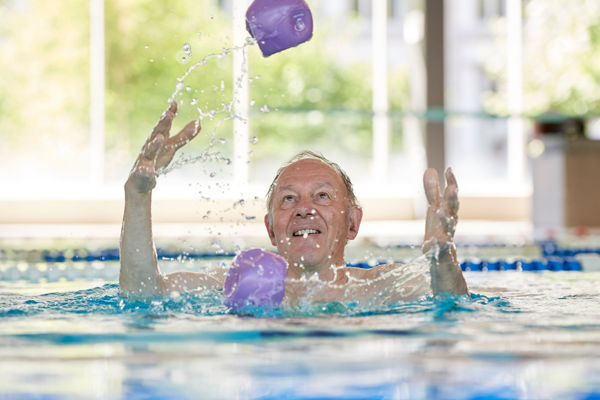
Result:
x=310 y=155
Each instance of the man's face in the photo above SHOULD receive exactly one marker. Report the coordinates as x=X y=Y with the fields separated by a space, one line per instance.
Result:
x=311 y=216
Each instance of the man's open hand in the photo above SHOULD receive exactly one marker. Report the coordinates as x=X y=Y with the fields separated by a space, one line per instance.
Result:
x=158 y=151
x=442 y=213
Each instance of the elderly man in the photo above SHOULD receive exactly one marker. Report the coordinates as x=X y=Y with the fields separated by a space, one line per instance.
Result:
x=312 y=213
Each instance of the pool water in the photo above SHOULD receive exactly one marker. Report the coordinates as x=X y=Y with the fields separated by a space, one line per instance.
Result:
x=531 y=335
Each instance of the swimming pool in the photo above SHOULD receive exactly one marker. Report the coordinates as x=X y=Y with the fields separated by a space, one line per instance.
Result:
x=66 y=333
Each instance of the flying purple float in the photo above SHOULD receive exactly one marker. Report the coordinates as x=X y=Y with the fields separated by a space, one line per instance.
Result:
x=279 y=24
x=256 y=278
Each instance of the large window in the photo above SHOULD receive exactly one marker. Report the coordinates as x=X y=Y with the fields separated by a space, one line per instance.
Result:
x=84 y=82
x=44 y=96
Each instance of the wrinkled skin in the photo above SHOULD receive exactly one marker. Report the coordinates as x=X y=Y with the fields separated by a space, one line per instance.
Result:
x=310 y=196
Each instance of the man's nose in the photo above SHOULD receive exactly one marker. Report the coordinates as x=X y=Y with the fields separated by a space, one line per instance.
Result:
x=304 y=209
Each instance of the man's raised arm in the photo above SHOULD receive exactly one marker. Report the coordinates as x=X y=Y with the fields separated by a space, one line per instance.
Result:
x=139 y=264
x=442 y=216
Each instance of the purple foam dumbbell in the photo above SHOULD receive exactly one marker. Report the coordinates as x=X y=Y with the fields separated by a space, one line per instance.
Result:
x=256 y=278
x=279 y=24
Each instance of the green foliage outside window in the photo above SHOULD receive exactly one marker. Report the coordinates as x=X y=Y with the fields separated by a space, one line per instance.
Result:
x=45 y=87
x=561 y=54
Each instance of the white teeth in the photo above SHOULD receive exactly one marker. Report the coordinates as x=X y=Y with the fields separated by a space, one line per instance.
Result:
x=305 y=232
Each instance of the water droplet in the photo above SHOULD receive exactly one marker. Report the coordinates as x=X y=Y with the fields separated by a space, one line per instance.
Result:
x=240 y=202
x=265 y=109
x=253 y=140
x=222 y=140
x=194 y=102
x=187 y=49
x=212 y=174
x=188 y=88
x=151 y=60
x=146 y=47
x=222 y=86
x=252 y=102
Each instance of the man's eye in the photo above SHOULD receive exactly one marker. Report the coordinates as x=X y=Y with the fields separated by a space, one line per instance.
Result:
x=288 y=199
x=323 y=196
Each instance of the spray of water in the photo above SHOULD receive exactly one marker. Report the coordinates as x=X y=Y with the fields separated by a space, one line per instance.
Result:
x=224 y=112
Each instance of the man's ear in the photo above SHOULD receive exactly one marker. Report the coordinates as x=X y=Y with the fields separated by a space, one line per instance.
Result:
x=270 y=231
x=354 y=221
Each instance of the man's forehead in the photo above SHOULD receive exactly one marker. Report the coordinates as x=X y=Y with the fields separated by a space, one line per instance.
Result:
x=313 y=185
x=309 y=170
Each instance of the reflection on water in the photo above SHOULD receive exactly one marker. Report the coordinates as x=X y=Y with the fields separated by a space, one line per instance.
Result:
x=523 y=335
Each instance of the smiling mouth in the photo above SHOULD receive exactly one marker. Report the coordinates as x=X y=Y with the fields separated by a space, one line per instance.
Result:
x=306 y=232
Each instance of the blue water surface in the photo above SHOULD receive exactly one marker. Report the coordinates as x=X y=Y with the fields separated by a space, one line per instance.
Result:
x=520 y=335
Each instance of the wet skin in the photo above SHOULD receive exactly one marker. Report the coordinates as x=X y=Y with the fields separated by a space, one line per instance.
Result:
x=311 y=218
x=311 y=222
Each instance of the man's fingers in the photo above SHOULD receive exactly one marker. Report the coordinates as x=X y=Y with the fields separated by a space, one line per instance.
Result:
x=448 y=223
x=430 y=223
x=187 y=133
x=151 y=151
x=451 y=193
x=432 y=186
x=164 y=124
x=450 y=178
x=451 y=200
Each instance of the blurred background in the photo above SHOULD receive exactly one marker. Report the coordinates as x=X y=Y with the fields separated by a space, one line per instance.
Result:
x=504 y=91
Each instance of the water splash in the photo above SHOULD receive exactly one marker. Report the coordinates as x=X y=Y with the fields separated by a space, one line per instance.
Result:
x=407 y=282
x=224 y=112
x=225 y=52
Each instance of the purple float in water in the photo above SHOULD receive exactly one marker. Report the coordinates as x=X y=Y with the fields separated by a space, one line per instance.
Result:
x=257 y=278
x=279 y=24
